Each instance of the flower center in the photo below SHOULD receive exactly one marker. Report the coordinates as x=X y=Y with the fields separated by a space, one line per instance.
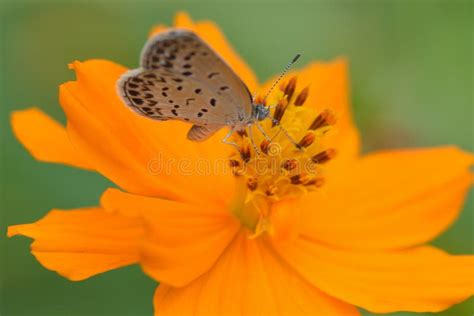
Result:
x=282 y=159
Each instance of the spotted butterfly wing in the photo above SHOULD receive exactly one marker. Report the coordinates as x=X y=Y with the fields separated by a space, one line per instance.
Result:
x=182 y=78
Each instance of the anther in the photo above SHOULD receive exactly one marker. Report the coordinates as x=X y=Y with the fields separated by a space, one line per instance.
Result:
x=324 y=156
x=260 y=100
x=306 y=141
x=279 y=111
x=271 y=190
x=299 y=179
x=326 y=118
x=290 y=164
x=317 y=182
x=234 y=163
x=290 y=88
x=252 y=184
x=302 y=96
x=245 y=153
x=265 y=146
x=242 y=133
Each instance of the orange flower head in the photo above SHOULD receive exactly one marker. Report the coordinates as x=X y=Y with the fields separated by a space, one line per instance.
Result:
x=306 y=227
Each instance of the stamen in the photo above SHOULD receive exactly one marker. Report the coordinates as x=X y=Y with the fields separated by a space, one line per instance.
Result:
x=260 y=100
x=234 y=163
x=301 y=98
x=271 y=190
x=279 y=111
x=290 y=164
x=324 y=156
x=307 y=140
x=245 y=153
x=242 y=133
x=326 y=118
x=317 y=182
x=290 y=88
x=267 y=163
x=252 y=184
x=264 y=146
x=299 y=179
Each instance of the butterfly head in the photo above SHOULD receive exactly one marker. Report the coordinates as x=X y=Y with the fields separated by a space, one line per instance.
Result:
x=260 y=111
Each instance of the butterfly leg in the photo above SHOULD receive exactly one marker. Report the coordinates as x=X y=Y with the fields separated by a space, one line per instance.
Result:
x=252 y=140
x=260 y=128
x=225 y=140
x=282 y=129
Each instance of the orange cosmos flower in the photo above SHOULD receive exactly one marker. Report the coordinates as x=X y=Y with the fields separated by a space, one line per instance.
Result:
x=349 y=231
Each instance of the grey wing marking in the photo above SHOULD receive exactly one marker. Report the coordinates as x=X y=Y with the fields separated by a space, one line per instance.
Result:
x=134 y=90
x=183 y=52
x=182 y=78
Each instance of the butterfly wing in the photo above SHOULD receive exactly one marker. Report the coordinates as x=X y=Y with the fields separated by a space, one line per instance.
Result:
x=182 y=78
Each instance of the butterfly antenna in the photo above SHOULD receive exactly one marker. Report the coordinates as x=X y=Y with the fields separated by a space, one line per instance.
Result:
x=294 y=60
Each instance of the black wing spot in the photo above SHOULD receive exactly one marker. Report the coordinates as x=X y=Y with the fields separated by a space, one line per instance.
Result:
x=133 y=93
x=148 y=96
x=213 y=102
x=224 y=88
x=212 y=74
x=149 y=83
x=189 y=56
x=164 y=88
x=204 y=110
x=164 y=94
x=197 y=91
x=179 y=88
x=189 y=100
x=199 y=114
x=176 y=106
x=174 y=112
x=137 y=101
x=132 y=85
x=187 y=73
x=178 y=79
x=187 y=66
x=170 y=101
x=152 y=103
x=166 y=64
x=150 y=75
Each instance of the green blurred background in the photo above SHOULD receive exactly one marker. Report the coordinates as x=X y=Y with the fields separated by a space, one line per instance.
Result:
x=411 y=72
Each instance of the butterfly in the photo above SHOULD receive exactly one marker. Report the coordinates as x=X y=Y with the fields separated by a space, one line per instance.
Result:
x=183 y=78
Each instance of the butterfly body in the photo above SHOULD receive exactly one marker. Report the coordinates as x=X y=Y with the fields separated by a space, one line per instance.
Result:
x=182 y=78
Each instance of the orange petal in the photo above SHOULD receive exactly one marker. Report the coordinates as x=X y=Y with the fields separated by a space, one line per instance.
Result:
x=422 y=279
x=45 y=138
x=328 y=89
x=212 y=34
x=389 y=200
x=141 y=155
x=182 y=241
x=78 y=244
x=248 y=280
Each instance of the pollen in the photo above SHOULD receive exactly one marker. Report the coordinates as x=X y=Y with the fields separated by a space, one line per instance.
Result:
x=285 y=158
